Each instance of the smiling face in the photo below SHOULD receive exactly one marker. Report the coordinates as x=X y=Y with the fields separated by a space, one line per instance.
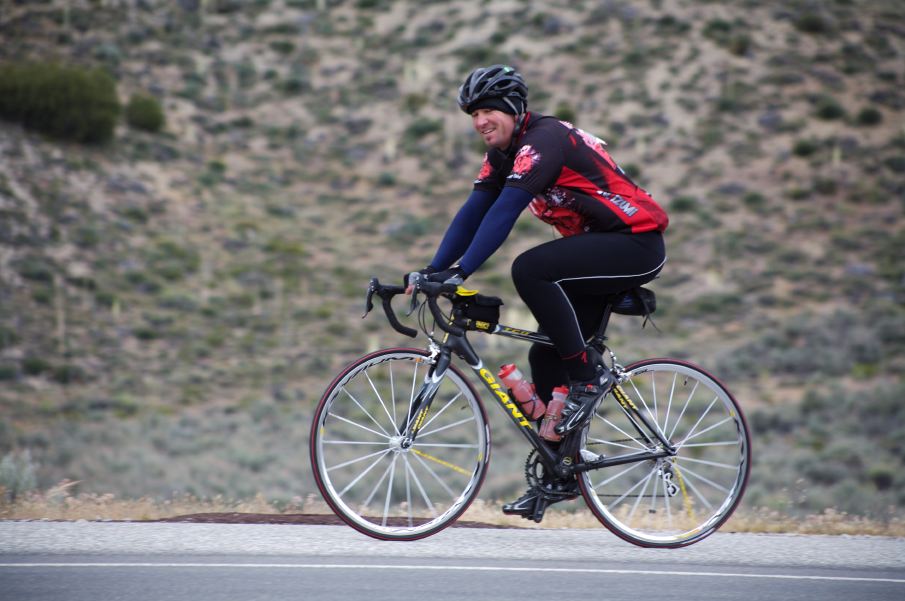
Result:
x=495 y=127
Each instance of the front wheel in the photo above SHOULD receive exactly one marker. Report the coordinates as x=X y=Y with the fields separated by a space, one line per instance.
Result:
x=678 y=500
x=369 y=474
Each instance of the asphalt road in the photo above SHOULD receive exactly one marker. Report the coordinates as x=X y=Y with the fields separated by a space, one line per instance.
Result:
x=221 y=562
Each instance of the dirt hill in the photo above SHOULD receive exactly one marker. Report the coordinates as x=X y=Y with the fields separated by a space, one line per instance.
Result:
x=171 y=305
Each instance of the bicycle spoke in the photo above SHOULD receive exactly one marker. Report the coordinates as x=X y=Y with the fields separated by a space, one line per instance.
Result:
x=682 y=414
x=341 y=493
x=362 y=458
x=382 y=404
x=450 y=445
x=393 y=395
x=357 y=425
x=672 y=391
x=697 y=423
x=652 y=416
x=386 y=506
x=641 y=445
x=424 y=497
x=439 y=413
x=421 y=435
x=377 y=486
x=641 y=494
x=439 y=480
x=686 y=472
x=713 y=463
x=408 y=492
x=364 y=442
x=666 y=503
x=704 y=431
x=611 y=478
x=596 y=441
x=725 y=443
x=376 y=423
x=629 y=491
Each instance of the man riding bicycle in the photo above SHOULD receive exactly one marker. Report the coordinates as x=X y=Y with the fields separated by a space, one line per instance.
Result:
x=611 y=234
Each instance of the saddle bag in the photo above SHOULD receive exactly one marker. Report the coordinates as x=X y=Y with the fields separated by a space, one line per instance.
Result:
x=637 y=301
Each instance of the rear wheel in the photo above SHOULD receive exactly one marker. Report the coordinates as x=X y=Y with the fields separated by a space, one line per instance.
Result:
x=364 y=468
x=672 y=501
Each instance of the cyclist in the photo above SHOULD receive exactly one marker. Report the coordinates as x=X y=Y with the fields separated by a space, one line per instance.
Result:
x=611 y=235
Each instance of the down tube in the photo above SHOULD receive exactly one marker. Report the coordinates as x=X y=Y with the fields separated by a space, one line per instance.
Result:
x=515 y=414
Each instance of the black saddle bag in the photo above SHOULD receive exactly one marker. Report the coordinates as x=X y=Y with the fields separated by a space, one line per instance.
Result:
x=637 y=301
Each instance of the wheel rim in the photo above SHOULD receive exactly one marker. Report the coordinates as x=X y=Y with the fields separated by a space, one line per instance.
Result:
x=677 y=500
x=368 y=473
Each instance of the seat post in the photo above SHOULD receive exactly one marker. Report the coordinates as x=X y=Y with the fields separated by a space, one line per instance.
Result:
x=604 y=322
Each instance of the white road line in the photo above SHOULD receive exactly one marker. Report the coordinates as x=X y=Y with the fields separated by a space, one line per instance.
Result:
x=339 y=566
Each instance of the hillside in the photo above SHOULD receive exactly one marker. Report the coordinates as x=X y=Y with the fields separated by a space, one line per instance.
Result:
x=172 y=305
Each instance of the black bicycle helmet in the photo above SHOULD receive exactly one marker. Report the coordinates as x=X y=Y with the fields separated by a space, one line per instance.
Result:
x=490 y=85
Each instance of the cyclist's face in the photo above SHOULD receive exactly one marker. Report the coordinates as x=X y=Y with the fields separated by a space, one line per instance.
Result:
x=496 y=127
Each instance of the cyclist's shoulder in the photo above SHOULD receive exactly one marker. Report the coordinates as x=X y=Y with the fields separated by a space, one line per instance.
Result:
x=547 y=126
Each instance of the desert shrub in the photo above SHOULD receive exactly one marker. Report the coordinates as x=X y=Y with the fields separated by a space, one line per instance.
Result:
x=869 y=116
x=805 y=148
x=422 y=127
x=145 y=113
x=684 y=204
x=811 y=22
x=566 y=112
x=17 y=474
x=70 y=103
x=828 y=108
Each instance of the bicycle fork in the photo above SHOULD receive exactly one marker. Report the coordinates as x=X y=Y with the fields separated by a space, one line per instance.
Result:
x=419 y=409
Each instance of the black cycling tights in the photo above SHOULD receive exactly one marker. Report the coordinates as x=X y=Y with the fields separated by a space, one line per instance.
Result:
x=563 y=282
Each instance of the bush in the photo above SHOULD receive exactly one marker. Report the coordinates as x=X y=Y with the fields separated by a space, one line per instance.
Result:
x=869 y=116
x=70 y=103
x=828 y=108
x=144 y=112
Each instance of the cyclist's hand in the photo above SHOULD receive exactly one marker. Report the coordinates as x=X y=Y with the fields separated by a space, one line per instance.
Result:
x=453 y=275
x=407 y=278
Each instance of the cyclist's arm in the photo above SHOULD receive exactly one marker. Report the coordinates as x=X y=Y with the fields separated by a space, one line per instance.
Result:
x=462 y=230
x=495 y=227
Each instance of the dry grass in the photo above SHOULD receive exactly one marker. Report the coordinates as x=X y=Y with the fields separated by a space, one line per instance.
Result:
x=57 y=503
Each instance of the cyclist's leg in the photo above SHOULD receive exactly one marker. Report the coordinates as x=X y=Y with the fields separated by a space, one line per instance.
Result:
x=547 y=368
x=550 y=277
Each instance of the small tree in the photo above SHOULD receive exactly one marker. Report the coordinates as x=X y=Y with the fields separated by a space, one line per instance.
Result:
x=144 y=112
x=71 y=103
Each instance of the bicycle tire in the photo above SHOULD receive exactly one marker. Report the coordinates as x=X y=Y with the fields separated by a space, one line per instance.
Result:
x=355 y=447
x=706 y=479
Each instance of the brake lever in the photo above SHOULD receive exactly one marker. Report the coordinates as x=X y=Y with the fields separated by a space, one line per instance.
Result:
x=414 y=281
x=369 y=304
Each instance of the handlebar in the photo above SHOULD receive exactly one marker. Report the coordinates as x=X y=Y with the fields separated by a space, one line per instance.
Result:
x=419 y=284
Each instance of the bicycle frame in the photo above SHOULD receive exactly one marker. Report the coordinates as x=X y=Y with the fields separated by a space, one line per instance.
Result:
x=559 y=461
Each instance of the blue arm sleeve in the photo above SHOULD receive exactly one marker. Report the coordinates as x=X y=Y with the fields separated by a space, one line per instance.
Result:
x=462 y=229
x=495 y=227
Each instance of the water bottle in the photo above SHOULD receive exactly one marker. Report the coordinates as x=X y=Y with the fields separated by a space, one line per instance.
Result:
x=553 y=415
x=522 y=390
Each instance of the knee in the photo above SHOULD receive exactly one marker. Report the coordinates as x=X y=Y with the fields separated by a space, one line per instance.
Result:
x=523 y=269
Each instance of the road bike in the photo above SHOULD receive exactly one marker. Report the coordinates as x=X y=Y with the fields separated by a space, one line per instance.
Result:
x=400 y=441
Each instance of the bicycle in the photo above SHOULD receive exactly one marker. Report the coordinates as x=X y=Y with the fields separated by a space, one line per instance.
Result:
x=400 y=442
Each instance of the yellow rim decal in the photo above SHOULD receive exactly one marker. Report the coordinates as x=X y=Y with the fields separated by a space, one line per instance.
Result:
x=685 y=499
x=454 y=468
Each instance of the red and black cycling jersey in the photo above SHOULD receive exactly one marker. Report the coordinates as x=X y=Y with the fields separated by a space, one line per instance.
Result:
x=577 y=186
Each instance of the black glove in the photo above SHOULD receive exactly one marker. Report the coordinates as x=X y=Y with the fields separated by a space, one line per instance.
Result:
x=453 y=275
x=425 y=272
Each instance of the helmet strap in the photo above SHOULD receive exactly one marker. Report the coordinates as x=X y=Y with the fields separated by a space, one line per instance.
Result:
x=520 y=120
